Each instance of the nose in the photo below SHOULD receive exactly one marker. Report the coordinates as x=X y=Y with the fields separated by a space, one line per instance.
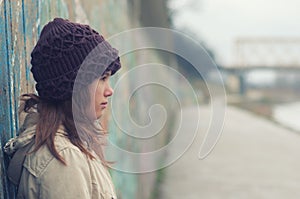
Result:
x=108 y=91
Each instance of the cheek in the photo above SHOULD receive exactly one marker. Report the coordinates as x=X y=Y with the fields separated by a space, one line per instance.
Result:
x=98 y=95
x=98 y=100
x=91 y=106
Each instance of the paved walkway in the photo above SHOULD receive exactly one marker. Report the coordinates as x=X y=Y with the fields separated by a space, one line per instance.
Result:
x=254 y=159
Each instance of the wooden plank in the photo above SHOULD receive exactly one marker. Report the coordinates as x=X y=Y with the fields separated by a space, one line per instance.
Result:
x=3 y=95
x=62 y=9
x=45 y=12
x=31 y=30
x=5 y=78
x=18 y=69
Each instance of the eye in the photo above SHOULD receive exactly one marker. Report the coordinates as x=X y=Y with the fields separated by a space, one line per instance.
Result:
x=104 y=78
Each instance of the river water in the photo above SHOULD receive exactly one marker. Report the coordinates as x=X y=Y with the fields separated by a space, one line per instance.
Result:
x=288 y=115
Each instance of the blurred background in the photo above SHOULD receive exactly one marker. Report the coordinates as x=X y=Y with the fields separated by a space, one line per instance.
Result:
x=256 y=44
x=253 y=48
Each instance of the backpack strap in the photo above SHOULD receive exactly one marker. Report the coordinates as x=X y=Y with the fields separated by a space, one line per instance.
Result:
x=15 y=167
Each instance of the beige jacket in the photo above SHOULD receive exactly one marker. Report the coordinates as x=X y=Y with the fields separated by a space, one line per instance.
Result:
x=44 y=177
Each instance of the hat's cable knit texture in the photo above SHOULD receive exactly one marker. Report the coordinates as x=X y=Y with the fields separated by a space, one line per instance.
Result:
x=66 y=52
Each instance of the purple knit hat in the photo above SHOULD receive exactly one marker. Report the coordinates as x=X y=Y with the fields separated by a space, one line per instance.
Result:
x=66 y=52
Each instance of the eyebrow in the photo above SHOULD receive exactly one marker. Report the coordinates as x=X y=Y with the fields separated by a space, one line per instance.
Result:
x=107 y=73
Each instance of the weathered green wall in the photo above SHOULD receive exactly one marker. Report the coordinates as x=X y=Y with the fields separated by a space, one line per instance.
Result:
x=20 y=24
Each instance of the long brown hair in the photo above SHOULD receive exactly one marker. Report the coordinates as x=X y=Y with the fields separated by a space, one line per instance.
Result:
x=82 y=132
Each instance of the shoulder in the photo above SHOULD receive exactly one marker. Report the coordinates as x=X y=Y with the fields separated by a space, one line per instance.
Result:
x=40 y=161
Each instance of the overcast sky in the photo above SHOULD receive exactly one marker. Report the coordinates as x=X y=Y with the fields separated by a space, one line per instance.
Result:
x=220 y=22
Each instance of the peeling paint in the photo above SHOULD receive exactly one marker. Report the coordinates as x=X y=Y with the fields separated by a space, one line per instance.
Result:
x=37 y=24
x=14 y=47
x=18 y=11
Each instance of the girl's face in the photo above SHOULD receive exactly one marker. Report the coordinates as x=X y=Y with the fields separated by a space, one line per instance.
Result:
x=99 y=91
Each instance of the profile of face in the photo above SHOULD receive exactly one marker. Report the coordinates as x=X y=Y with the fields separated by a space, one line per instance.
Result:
x=99 y=90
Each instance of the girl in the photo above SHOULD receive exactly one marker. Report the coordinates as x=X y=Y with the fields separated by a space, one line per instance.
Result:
x=63 y=158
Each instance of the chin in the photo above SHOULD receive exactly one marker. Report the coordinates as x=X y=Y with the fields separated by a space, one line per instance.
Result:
x=99 y=116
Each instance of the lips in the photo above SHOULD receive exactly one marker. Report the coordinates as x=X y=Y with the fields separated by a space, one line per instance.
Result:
x=103 y=105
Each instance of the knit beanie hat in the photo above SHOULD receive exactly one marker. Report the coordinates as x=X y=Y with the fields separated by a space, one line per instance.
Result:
x=66 y=52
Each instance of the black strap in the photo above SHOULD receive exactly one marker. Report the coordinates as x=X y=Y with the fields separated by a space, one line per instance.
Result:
x=15 y=167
